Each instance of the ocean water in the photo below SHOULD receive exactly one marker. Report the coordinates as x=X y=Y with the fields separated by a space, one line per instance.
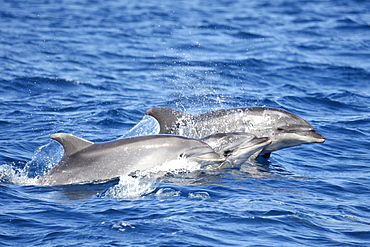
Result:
x=92 y=68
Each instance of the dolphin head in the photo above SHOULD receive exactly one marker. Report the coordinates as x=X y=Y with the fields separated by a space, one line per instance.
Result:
x=246 y=150
x=293 y=135
x=236 y=147
x=285 y=129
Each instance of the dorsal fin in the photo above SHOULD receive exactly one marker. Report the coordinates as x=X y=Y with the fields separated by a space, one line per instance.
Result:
x=71 y=143
x=167 y=118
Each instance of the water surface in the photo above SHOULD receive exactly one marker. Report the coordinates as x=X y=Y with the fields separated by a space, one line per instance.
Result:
x=92 y=68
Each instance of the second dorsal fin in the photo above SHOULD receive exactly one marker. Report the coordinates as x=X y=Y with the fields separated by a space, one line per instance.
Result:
x=71 y=143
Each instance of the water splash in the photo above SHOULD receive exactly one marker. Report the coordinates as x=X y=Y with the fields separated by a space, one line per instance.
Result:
x=175 y=167
x=142 y=183
x=167 y=192
x=199 y=195
x=9 y=174
x=130 y=188
x=44 y=158
x=146 y=126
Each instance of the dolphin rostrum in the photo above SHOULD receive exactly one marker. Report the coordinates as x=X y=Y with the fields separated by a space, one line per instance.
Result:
x=283 y=128
x=85 y=161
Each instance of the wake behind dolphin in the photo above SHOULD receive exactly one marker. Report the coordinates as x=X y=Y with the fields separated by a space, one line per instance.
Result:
x=85 y=161
x=283 y=128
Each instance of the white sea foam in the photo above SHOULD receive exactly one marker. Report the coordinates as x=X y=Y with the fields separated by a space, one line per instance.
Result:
x=144 y=182
x=199 y=195
x=10 y=174
x=130 y=188
x=179 y=165
x=167 y=192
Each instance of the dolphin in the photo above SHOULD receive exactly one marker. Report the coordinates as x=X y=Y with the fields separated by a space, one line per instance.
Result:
x=283 y=128
x=84 y=161
x=236 y=147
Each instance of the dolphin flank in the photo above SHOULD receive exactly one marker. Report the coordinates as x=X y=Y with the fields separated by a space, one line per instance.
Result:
x=283 y=128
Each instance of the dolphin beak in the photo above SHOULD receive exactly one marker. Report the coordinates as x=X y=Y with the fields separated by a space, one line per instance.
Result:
x=316 y=137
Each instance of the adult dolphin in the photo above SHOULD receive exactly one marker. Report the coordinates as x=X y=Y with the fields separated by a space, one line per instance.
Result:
x=283 y=128
x=85 y=161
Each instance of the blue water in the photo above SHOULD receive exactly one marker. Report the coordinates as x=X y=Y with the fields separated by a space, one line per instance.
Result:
x=92 y=68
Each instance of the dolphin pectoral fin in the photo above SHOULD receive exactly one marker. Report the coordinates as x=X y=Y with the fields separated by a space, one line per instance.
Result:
x=167 y=118
x=255 y=155
x=258 y=154
x=70 y=143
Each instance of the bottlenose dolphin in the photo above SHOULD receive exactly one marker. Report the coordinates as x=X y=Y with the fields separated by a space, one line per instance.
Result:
x=283 y=128
x=85 y=161
x=236 y=147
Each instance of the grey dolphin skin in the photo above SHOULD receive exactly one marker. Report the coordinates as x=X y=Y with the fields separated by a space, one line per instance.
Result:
x=85 y=161
x=283 y=128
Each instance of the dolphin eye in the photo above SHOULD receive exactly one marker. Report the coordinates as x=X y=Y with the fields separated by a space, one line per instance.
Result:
x=227 y=153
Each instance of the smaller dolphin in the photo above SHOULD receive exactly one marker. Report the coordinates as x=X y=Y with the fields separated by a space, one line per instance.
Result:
x=85 y=161
x=236 y=147
x=283 y=128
